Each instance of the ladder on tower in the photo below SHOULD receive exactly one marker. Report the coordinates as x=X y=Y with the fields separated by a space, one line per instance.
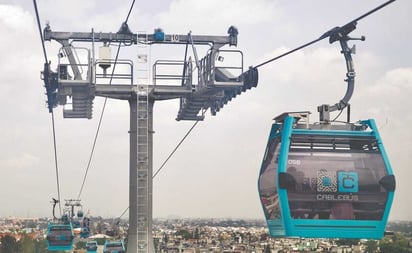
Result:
x=143 y=61
x=143 y=177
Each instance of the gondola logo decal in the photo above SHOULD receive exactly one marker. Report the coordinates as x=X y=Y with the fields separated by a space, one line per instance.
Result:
x=327 y=181
x=337 y=186
x=348 y=181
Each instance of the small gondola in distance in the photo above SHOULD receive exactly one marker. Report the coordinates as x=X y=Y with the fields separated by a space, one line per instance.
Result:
x=91 y=246
x=114 y=246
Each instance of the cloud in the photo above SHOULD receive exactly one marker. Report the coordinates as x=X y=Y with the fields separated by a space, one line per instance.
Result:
x=23 y=161
x=390 y=94
x=394 y=83
x=209 y=16
x=15 y=18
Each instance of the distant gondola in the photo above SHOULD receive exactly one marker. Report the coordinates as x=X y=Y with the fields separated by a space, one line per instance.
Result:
x=91 y=246
x=114 y=246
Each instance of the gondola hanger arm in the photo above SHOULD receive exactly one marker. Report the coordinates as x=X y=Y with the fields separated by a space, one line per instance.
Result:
x=341 y=34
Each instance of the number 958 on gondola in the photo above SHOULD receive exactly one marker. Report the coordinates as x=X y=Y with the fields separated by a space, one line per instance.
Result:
x=325 y=180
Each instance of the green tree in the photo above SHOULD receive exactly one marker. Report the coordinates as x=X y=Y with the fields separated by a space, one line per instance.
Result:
x=371 y=246
x=197 y=234
x=184 y=233
x=8 y=244
x=40 y=246
x=81 y=245
x=156 y=244
x=348 y=242
x=165 y=238
x=100 y=241
x=398 y=244
x=26 y=244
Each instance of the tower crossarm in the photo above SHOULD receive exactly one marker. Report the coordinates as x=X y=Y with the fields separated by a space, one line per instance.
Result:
x=127 y=38
x=159 y=37
x=133 y=38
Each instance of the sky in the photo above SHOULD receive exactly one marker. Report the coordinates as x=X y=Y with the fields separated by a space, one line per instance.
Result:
x=214 y=173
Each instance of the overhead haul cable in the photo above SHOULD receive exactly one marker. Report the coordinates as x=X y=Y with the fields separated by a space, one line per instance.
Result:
x=331 y=34
x=174 y=150
x=123 y=28
x=46 y=64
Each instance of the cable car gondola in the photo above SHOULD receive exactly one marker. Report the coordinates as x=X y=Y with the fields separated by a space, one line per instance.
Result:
x=59 y=236
x=326 y=180
x=91 y=246
x=114 y=246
